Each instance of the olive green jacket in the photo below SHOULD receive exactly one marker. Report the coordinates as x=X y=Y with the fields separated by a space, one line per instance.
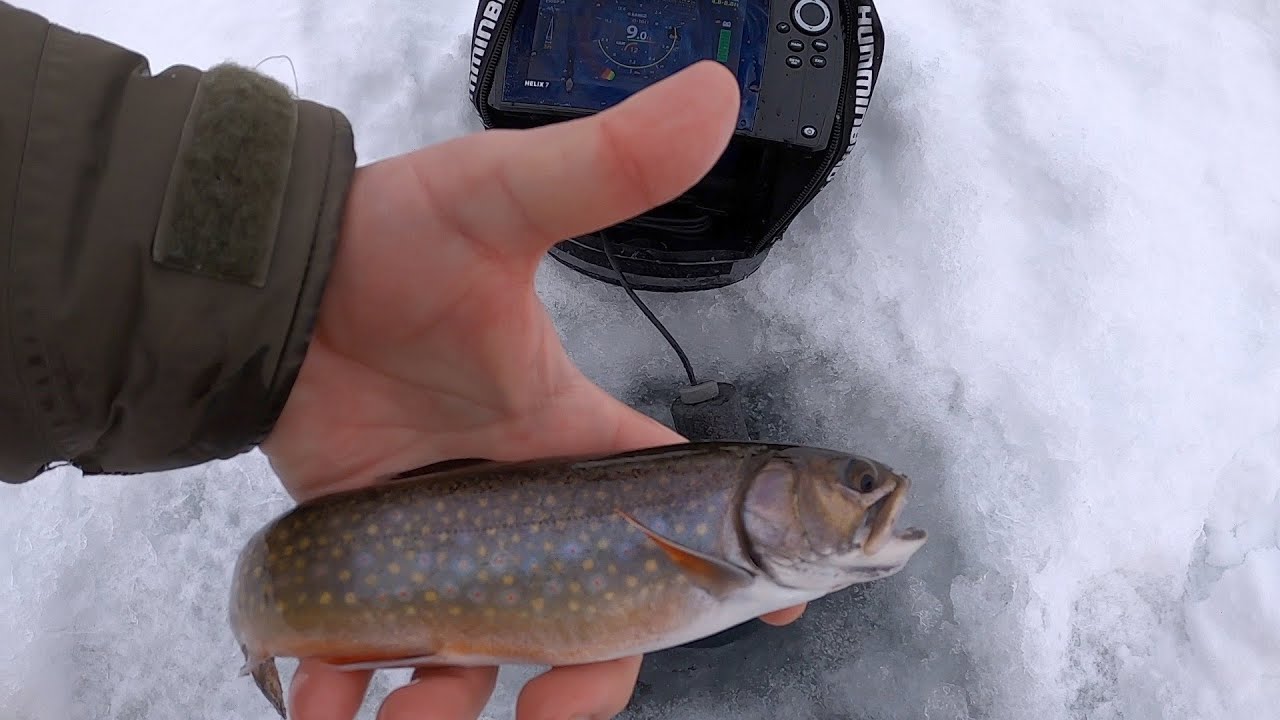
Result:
x=164 y=242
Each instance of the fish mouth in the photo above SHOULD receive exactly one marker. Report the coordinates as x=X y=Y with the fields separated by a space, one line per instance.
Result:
x=884 y=514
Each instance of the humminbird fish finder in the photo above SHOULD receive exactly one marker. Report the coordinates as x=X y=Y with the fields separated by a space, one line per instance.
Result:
x=806 y=72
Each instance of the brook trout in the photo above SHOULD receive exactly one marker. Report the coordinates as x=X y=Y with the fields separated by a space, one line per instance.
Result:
x=562 y=561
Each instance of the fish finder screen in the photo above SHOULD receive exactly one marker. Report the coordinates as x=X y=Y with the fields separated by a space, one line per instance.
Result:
x=588 y=55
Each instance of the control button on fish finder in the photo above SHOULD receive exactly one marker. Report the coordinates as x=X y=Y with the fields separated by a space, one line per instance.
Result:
x=794 y=62
x=809 y=131
x=818 y=61
x=795 y=46
x=812 y=16
x=820 y=45
x=784 y=27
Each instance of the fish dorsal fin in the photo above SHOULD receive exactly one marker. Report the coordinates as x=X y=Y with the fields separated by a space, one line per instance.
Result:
x=438 y=468
x=716 y=576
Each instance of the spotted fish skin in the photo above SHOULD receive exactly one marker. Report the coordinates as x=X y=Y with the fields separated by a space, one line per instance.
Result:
x=555 y=562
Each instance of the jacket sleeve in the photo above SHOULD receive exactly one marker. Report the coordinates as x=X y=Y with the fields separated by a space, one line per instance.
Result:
x=164 y=241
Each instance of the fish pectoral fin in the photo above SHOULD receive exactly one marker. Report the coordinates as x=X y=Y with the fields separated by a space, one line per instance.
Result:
x=267 y=677
x=716 y=576
x=437 y=468
x=384 y=663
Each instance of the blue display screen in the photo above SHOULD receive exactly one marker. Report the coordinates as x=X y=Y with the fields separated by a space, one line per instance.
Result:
x=588 y=55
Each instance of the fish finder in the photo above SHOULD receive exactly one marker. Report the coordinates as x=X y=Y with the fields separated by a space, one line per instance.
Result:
x=806 y=71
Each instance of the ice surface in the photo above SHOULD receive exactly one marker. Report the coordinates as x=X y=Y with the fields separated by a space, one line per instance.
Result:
x=1047 y=287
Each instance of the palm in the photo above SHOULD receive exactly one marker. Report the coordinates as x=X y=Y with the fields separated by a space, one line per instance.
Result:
x=432 y=344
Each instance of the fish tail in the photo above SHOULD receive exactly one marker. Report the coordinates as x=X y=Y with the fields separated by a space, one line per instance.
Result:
x=267 y=677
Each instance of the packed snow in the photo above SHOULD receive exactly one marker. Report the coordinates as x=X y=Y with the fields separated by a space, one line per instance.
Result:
x=1047 y=286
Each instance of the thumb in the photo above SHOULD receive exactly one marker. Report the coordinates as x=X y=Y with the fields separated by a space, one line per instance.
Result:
x=523 y=191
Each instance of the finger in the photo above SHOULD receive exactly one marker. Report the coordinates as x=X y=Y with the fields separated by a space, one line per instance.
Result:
x=523 y=191
x=322 y=692
x=785 y=616
x=447 y=693
x=597 y=691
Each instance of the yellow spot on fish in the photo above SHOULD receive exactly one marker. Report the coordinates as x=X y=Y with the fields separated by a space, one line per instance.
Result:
x=603 y=544
x=538 y=604
x=508 y=579
x=348 y=535
x=515 y=538
x=257 y=572
x=547 y=545
x=325 y=598
x=574 y=605
x=462 y=514
x=601 y=495
x=371 y=581
x=350 y=598
x=300 y=563
x=322 y=541
x=430 y=596
x=482 y=551
x=397 y=542
x=484 y=502
x=442 y=536
x=575 y=587
x=651 y=565
x=419 y=578
x=613 y=569
x=410 y=555
x=489 y=531
x=584 y=537
x=337 y=552
x=489 y=612
x=632 y=581
x=439 y=506
x=679 y=527
x=609 y=595
x=394 y=568
x=701 y=529
x=288 y=550
x=483 y=575
x=588 y=564
x=549 y=500
x=410 y=610
x=344 y=575
x=280 y=606
x=304 y=543
x=536 y=527
x=302 y=598
x=455 y=610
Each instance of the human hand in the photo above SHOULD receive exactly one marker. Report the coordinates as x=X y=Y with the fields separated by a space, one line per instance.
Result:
x=431 y=342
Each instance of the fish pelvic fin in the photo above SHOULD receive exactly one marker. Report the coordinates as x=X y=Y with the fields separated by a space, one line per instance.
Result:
x=267 y=677
x=718 y=577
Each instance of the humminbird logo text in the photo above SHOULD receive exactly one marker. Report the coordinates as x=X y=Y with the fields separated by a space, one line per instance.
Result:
x=862 y=86
x=484 y=36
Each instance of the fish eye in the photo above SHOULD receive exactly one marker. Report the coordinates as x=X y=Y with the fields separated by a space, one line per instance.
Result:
x=860 y=478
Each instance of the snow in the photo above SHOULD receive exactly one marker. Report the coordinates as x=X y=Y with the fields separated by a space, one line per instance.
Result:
x=1047 y=287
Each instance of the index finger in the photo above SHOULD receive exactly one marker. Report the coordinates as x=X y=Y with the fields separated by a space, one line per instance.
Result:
x=522 y=191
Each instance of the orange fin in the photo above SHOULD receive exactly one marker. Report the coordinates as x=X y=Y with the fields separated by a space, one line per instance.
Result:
x=716 y=576
x=384 y=664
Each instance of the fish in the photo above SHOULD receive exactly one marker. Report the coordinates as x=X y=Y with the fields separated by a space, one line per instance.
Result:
x=561 y=561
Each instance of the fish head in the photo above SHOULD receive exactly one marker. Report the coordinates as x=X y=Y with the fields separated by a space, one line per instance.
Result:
x=822 y=520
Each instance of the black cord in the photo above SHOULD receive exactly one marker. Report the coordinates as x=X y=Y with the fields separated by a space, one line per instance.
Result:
x=613 y=262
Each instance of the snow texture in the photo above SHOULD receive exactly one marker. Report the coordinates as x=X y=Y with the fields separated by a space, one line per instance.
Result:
x=1047 y=287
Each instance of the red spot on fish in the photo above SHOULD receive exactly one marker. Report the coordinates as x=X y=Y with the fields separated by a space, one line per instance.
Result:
x=597 y=582
x=510 y=597
x=403 y=594
x=476 y=595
